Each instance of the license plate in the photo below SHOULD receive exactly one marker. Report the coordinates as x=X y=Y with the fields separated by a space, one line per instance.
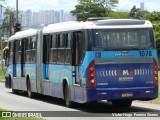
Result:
x=127 y=94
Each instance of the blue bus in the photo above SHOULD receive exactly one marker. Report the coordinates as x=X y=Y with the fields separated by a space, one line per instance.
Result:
x=113 y=59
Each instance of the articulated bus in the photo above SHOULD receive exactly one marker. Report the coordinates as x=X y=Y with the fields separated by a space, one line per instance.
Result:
x=113 y=59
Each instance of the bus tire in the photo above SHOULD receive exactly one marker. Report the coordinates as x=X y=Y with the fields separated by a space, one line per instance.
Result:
x=67 y=96
x=29 y=91
x=122 y=103
x=14 y=91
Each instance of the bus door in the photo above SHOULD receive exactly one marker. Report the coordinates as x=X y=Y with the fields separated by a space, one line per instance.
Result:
x=46 y=51
x=75 y=57
x=16 y=64
x=23 y=57
x=14 y=60
x=15 y=57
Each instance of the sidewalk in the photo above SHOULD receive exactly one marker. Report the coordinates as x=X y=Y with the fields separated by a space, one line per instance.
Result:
x=146 y=104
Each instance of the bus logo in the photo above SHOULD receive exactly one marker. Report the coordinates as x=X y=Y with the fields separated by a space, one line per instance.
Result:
x=125 y=72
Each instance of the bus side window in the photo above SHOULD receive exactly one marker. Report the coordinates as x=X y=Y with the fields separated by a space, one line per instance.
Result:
x=27 y=50
x=10 y=57
x=23 y=51
x=17 y=52
x=53 y=49
x=33 y=49
x=68 y=48
x=61 y=48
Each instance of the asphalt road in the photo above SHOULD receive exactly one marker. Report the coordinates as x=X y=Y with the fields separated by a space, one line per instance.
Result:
x=98 y=111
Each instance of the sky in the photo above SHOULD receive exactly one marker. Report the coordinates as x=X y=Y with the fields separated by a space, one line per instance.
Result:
x=150 y=5
x=68 y=5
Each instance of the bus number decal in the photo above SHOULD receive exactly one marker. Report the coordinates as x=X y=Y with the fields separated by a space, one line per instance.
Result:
x=145 y=53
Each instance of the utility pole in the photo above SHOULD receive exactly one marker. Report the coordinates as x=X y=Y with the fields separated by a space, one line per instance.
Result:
x=17 y=11
x=17 y=26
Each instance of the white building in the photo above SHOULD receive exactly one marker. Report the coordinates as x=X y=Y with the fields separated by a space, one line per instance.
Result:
x=45 y=17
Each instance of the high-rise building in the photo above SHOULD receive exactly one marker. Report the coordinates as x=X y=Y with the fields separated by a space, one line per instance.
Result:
x=35 y=18
x=44 y=17
x=142 y=6
x=27 y=18
x=50 y=17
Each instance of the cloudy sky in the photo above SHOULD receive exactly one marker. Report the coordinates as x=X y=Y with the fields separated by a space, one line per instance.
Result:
x=67 y=5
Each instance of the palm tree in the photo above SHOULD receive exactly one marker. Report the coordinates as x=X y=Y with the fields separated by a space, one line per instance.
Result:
x=9 y=19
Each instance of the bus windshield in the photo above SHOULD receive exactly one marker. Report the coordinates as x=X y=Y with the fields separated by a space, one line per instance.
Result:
x=123 y=39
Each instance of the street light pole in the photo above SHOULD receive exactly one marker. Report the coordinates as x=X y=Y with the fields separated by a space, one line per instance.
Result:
x=17 y=11
x=17 y=25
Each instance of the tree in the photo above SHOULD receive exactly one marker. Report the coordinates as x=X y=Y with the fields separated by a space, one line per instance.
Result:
x=84 y=11
x=108 y=5
x=153 y=17
x=93 y=8
x=9 y=19
x=118 y=15
x=135 y=13
x=156 y=25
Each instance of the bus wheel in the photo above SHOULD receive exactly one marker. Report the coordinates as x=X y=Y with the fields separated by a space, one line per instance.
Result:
x=14 y=91
x=122 y=103
x=67 y=96
x=29 y=91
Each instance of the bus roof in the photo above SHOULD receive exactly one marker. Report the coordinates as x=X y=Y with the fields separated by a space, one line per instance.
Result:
x=75 y=25
x=23 y=34
x=97 y=24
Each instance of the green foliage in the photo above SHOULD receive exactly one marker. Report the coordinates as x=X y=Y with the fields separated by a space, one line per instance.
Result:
x=9 y=19
x=118 y=15
x=156 y=25
x=84 y=11
x=2 y=74
x=135 y=13
x=157 y=35
x=1 y=109
x=153 y=17
x=93 y=8
x=157 y=38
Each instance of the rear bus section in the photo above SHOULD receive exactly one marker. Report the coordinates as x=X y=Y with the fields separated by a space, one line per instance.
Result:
x=122 y=80
x=123 y=62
